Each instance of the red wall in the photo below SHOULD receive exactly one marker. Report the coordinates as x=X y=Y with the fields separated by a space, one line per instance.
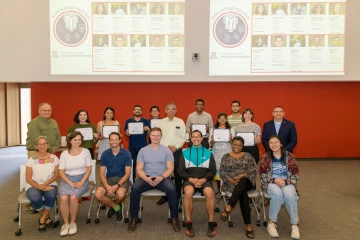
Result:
x=327 y=115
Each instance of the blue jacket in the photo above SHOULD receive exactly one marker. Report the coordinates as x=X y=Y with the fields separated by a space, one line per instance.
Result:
x=287 y=134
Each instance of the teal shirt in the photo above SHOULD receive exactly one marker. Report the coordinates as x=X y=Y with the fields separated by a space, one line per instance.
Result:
x=87 y=143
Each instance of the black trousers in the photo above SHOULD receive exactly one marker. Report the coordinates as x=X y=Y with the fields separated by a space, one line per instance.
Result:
x=178 y=179
x=240 y=194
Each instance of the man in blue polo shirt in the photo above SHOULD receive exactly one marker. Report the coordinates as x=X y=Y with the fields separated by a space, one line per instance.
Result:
x=137 y=134
x=115 y=170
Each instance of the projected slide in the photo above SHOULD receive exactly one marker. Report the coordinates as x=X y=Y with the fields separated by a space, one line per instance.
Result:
x=117 y=38
x=277 y=37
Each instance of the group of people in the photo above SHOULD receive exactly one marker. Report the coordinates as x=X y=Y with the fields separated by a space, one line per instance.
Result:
x=156 y=153
x=140 y=9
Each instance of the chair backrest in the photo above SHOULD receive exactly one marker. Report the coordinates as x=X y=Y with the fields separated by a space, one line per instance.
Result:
x=22 y=177
x=131 y=178
x=92 y=177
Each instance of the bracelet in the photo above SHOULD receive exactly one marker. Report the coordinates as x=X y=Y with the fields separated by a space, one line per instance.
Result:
x=163 y=177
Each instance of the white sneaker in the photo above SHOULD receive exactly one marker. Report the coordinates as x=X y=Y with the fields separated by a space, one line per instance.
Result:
x=64 y=230
x=295 y=234
x=271 y=228
x=73 y=229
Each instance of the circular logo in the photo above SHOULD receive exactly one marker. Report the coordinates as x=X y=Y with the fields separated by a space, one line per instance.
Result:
x=230 y=29
x=70 y=28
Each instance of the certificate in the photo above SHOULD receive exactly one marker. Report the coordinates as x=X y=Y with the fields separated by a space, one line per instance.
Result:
x=106 y=130
x=155 y=122
x=221 y=135
x=86 y=132
x=249 y=138
x=200 y=127
x=136 y=128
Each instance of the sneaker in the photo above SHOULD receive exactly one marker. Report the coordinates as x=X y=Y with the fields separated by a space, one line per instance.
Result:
x=189 y=231
x=271 y=228
x=120 y=214
x=211 y=229
x=110 y=212
x=73 y=229
x=64 y=230
x=295 y=234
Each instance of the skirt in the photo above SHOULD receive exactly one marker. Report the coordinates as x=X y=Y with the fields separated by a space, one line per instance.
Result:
x=66 y=189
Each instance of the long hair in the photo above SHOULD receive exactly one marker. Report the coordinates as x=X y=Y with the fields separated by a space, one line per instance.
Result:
x=217 y=124
x=71 y=136
x=76 y=117
x=109 y=108
x=282 y=150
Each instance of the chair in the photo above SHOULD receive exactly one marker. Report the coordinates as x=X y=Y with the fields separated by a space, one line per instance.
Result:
x=22 y=199
x=151 y=193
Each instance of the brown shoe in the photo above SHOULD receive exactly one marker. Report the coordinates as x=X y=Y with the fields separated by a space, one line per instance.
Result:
x=266 y=202
x=175 y=224
x=132 y=225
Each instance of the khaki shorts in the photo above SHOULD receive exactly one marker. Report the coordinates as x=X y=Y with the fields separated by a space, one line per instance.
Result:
x=114 y=180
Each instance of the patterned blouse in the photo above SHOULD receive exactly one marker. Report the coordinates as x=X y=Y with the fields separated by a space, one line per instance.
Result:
x=231 y=167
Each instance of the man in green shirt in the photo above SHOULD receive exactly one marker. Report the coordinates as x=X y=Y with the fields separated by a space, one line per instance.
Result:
x=235 y=118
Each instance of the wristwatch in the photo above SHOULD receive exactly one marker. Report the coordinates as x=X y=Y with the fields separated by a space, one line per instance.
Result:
x=118 y=185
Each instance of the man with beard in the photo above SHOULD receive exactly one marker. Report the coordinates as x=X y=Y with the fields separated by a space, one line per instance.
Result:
x=235 y=119
x=136 y=140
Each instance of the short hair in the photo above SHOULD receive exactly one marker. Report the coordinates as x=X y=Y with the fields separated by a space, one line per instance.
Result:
x=278 y=106
x=38 y=138
x=196 y=131
x=176 y=37
x=109 y=108
x=336 y=37
x=43 y=103
x=137 y=105
x=72 y=136
x=119 y=37
x=245 y=111
x=154 y=107
x=200 y=100
x=238 y=138
x=157 y=37
x=278 y=36
x=170 y=103
x=235 y=101
x=76 y=117
x=115 y=133
x=154 y=129
x=316 y=37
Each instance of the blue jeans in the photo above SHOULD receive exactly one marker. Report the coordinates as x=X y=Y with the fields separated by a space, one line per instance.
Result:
x=38 y=202
x=279 y=196
x=141 y=186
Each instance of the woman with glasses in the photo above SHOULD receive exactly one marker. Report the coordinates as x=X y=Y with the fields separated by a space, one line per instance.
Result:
x=279 y=174
x=41 y=186
x=238 y=172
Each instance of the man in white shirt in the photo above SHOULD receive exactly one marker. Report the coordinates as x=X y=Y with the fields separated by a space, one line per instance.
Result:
x=173 y=137
x=200 y=117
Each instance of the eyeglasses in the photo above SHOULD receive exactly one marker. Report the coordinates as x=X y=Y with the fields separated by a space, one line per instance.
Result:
x=41 y=144
x=278 y=111
x=173 y=109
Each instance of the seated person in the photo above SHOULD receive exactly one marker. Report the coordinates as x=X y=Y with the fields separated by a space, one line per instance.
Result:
x=116 y=164
x=279 y=174
x=41 y=186
x=197 y=168
x=155 y=164
x=238 y=172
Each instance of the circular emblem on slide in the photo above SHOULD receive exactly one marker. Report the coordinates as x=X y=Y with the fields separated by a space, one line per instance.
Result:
x=70 y=28
x=230 y=29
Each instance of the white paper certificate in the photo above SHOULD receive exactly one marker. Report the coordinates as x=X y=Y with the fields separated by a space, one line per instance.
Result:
x=154 y=122
x=136 y=128
x=86 y=132
x=249 y=138
x=200 y=127
x=106 y=130
x=221 y=135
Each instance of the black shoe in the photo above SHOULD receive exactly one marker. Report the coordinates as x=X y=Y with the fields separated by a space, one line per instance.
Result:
x=211 y=229
x=189 y=231
x=120 y=214
x=162 y=201
x=132 y=225
x=110 y=212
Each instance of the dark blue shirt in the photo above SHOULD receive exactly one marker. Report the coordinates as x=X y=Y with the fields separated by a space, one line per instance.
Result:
x=137 y=140
x=115 y=165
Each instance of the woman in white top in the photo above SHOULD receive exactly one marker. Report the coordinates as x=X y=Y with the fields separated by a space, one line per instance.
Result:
x=108 y=120
x=74 y=170
x=41 y=186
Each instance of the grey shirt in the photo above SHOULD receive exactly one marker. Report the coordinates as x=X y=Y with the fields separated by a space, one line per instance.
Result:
x=203 y=118
x=155 y=161
x=253 y=128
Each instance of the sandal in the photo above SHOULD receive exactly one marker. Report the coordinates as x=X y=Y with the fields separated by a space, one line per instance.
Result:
x=49 y=223
x=249 y=234
x=217 y=195
x=225 y=215
x=42 y=226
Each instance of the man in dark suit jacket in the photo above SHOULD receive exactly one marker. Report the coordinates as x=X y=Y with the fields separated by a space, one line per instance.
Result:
x=282 y=127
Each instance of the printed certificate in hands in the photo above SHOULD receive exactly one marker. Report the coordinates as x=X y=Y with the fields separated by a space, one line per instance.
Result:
x=200 y=127
x=154 y=122
x=249 y=138
x=136 y=128
x=221 y=135
x=86 y=132
x=106 y=130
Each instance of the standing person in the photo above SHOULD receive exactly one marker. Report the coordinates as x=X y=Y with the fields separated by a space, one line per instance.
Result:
x=155 y=114
x=279 y=174
x=108 y=120
x=154 y=167
x=200 y=117
x=197 y=168
x=74 y=170
x=115 y=170
x=136 y=141
x=248 y=126
x=173 y=137
x=282 y=127
x=235 y=118
x=220 y=148
x=82 y=120
x=42 y=125
x=42 y=170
